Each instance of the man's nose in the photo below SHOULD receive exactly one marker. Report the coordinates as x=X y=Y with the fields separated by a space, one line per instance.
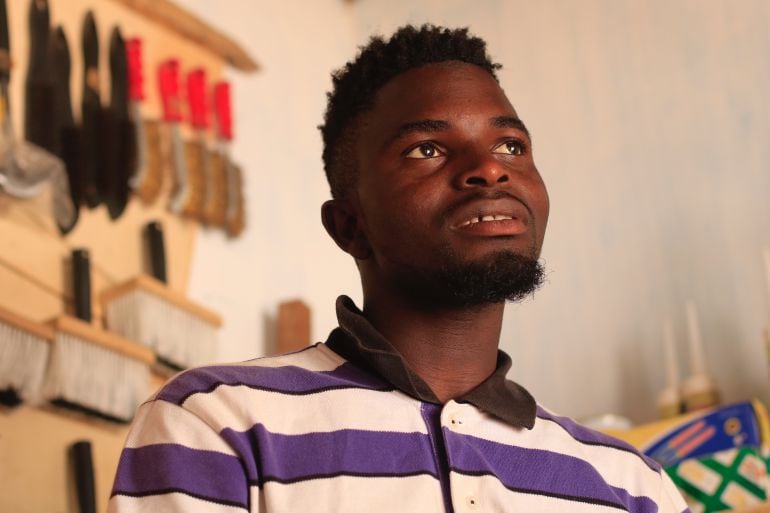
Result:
x=482 y=171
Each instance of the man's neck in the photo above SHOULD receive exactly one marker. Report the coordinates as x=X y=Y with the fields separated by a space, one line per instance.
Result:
x=452 y=350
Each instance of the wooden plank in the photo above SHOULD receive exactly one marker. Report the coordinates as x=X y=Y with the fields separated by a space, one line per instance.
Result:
x=24 y=324
x=293 y=330
x=189 y=26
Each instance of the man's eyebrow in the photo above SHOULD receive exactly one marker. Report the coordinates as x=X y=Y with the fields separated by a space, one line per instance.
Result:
x=422 y=125
x=509 y=122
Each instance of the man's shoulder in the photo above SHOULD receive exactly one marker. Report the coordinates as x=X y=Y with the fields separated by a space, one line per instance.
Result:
x=572 y=437
x=310 y=370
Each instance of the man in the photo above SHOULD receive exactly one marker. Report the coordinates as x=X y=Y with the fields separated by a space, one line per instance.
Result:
x=406 y=406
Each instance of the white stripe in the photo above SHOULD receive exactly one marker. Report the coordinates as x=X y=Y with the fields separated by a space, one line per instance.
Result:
x=240 y=407
x=161 y=422
x=347 y=494
x=486 y=493
x=167 y=502
x=318 y=358
x=618 y=468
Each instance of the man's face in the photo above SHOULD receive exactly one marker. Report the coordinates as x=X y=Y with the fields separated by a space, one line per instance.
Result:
x=446 y=176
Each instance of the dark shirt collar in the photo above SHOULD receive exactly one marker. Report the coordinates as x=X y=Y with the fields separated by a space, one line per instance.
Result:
x=359 y=342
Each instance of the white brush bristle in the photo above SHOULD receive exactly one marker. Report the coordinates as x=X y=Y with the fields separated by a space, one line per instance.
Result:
x=172 y=332
x=23 y=361
x=96 y=378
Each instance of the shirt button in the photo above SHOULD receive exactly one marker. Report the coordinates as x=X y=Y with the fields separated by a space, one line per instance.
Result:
x=472 y=502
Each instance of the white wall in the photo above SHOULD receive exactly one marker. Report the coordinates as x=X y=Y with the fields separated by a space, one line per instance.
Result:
x=651 y=126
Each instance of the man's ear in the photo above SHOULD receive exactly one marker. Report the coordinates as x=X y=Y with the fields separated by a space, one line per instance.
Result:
x=341 y=223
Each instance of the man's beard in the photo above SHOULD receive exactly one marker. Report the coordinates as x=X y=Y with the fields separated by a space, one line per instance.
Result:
x=501 y=276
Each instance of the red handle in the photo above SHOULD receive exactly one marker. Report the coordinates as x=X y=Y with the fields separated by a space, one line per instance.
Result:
x=135 y=76
x=223 y=111
x=196 y=97
x=168 y=79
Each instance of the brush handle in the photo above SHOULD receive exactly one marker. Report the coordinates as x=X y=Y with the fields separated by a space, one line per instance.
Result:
x=157 y=249
x=196 y=98
x=223 y=111
x=84 y=476
x=135 y=75
x=168 y=80
x=81 y=278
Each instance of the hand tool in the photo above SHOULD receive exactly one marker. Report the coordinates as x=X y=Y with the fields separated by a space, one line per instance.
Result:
x=66 y=133
x=235 y=212
x=198 y=162
x=91 y=116
x=168 y=78
x=121 y=145
x=147 y=176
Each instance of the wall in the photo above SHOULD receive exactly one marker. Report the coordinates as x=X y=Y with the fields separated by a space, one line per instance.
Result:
x=650 y=123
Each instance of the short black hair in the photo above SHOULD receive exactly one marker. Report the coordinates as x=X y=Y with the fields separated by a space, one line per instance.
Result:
x=355 y=85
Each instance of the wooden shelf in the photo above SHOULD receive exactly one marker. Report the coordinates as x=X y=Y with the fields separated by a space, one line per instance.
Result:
x=189 y=26
x=106 y=339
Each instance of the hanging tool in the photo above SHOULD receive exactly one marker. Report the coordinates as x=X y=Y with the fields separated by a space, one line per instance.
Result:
x=235 y=212
x=198 y=162
x=120 y=143
x=38 y=99
x=147 y=176
x=168 y=78
x=91 y=116
x=66 y=134
x=25 y=168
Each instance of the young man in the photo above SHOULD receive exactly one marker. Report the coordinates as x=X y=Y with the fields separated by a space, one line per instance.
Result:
x=406 y=407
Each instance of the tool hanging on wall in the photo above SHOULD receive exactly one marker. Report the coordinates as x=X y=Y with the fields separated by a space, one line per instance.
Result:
x=83 y=466
x=91 y=116
x=120 y=141
x=168 y=79
x=181 y=333
x=81 y=283
x=196 y=151
x=66 y=133
x=25 y=168
x=147 y=176
x=96 y=372
x=38 y=99
x=156 y=251
x=24 y=349
x=235 y=213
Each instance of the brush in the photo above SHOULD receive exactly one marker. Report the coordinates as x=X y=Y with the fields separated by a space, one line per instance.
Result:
x=24 y=349
x=182 y=333
x=96 y=372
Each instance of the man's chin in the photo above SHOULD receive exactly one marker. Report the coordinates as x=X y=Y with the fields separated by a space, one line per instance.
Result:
x=498 y=277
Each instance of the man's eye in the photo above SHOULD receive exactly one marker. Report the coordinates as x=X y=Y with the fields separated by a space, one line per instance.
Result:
x=423 y=151
x=510 y=147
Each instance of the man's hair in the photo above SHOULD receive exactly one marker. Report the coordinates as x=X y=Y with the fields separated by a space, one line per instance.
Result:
x=355 y=85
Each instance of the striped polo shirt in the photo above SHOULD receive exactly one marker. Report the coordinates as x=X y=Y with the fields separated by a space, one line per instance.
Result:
x=345 y=426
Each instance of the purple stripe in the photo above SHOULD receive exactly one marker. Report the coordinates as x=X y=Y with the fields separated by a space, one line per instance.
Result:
x=288 y=380
x=165 y=468
x=291 y=458
x=540 y=472
x=591 y=437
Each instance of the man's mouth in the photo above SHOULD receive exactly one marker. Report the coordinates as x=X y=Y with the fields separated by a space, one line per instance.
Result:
x=485 y=219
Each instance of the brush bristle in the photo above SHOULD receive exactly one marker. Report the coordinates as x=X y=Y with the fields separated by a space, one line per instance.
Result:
x=175 y=335
x=96 y=379
x=23 y=361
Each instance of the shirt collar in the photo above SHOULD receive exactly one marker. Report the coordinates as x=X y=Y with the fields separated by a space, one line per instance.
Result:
x=359 y=342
